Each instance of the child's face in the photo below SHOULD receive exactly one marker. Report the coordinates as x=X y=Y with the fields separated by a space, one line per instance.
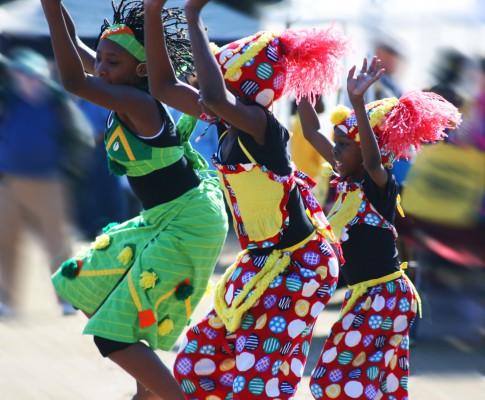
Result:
x=115 y=65
x=347 y=155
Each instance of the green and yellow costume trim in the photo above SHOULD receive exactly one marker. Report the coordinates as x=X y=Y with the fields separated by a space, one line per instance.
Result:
x=145 y=284
x=123 y=35
x=141 y=279
x=128 y=155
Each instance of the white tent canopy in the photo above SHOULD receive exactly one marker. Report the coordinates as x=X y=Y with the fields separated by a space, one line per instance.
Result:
x=25 y=17
x=417 y=27
x=311 y=12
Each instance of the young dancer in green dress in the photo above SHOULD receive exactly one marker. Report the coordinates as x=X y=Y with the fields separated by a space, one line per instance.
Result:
x=141 y=279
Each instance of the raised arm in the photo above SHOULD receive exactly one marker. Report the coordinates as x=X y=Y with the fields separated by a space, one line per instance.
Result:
x=249 y=119
x=162 y=79
x=124 y=99
x=88 y=55
x=68 y=61
x=356 y=88
x=313 y=133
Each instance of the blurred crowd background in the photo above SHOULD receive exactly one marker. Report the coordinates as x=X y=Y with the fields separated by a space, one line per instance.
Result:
x=54 y=184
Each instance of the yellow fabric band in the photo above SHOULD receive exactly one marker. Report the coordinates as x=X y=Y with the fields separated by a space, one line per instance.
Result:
x=276 y=263
x=360 y=288
x=137 y=302
x=300 y=244
x=188 y=307
x=133 y=293
x=252 y=52
x=246 y=151
x=119 y=134
x=102 y=272
x=399 y=206
x=223 y=135
x=164 y=297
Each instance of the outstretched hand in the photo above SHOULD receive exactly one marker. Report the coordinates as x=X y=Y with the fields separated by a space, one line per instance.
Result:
x=358 y=85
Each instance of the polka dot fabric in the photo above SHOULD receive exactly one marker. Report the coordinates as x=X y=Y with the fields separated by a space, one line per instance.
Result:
x=262 y=77
x=367 y=214
x=366 y=355
x=265 y=357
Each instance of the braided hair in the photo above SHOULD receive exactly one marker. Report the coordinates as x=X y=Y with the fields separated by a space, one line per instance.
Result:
x=131 y=13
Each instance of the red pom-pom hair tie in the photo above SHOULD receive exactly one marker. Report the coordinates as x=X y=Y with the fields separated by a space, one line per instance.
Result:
x=312 y=59
x=265 y=66
x=419 y=117
x=401 y=125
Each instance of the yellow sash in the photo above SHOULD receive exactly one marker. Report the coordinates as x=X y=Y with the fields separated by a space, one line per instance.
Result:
x=276 y=263
x=360 y=288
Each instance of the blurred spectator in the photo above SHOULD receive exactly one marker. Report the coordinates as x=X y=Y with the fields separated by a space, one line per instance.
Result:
x=448 y=72
x=100 y=197
x=473 y=128
x=392 y=60
x=392 y=56
x=305 y=157
x=452 y=72
x=444 y=220
x=38 y=127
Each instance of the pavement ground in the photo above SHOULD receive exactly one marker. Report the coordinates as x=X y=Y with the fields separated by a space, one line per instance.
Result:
x=43 y=355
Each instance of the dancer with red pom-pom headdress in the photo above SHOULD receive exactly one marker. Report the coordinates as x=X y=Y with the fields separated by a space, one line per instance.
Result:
x=367 y=352
x=255 y=341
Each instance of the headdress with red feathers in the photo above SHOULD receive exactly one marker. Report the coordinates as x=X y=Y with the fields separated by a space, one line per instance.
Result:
x=400 y=124
x=264 y=66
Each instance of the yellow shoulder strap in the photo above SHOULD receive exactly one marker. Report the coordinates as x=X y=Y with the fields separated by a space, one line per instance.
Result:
x=245 y=151
x=223 y=135
x=344 y=210
x=399 y=206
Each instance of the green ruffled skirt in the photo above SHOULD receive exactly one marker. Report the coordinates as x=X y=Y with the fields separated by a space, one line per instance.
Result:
x=141 y=279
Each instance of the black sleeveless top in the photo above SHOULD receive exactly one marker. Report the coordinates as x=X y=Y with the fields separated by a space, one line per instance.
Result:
x=166 y=184
x=370 y=252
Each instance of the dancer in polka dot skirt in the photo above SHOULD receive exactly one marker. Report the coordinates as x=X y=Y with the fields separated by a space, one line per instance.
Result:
x=265 y=355
x=255 y=342
x=366 y=355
